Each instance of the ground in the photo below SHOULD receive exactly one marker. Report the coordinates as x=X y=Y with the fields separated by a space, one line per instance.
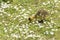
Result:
x=14 y=16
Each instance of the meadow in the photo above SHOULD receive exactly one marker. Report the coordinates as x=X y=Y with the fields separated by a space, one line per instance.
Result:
x=14 y=16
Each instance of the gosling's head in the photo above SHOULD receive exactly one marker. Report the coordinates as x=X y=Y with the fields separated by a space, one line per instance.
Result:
x=31 y=18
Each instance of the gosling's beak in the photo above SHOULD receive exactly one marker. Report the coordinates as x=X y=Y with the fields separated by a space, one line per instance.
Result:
x=29 y=19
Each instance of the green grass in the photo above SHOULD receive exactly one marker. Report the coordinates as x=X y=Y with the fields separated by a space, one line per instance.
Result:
x=14 y=16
